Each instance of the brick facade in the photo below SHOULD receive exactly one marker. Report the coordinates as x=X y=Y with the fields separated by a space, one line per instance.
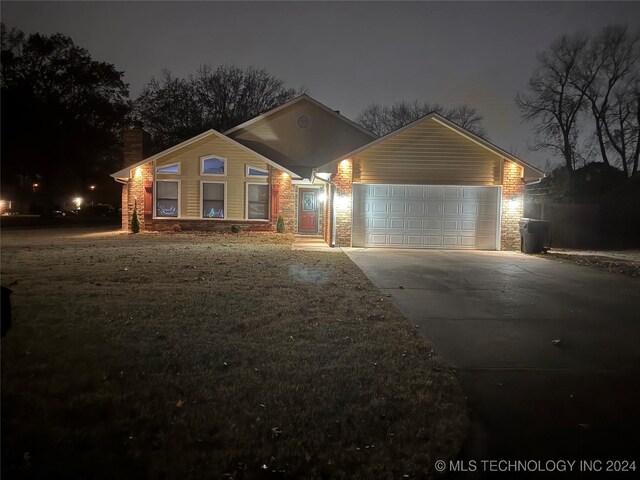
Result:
x=512 y=205
x=135 y=150
x=327 y=225
x=286 y=198
x=140 y=176
x=344 y=202
x=166 y=225
x=125 y=211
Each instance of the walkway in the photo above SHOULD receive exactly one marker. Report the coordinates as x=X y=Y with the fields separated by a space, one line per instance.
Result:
x=312 y=243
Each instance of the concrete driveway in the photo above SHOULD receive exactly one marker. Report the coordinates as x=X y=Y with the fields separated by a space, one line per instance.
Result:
x=494 y=317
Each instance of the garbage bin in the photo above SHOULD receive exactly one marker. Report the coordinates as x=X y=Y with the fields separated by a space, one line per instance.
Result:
x=535 y=235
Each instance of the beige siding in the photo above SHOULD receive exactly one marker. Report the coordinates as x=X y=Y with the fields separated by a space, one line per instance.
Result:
x=235 y=179
x=428 y=153
x=279 y=138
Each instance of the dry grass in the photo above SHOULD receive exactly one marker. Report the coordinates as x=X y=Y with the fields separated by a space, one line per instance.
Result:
x=607 y=264
x=185 y=356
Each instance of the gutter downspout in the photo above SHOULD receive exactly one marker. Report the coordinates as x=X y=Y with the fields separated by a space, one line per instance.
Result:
x=123 y=182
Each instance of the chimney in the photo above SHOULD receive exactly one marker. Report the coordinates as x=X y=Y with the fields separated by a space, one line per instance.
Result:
x=135 y=143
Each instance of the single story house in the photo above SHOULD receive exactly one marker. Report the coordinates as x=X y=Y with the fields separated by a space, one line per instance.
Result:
x=430 y=184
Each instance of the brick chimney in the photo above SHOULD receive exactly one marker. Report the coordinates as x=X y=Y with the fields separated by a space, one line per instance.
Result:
x=139 y=189
x=135 y=145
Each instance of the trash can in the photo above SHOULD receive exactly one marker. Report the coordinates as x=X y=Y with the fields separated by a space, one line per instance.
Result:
x=535 y=235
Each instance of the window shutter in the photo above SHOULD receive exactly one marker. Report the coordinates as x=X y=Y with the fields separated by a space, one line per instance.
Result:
x=148 y=199
x=275 y=204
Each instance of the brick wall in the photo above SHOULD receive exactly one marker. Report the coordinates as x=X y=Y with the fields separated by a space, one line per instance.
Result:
x=512 y=205
x=326 y=226
x=134 y=144
x=344 y=203
x=164 y=225
x=134 y=150
x=287 y=197
x=123 y=204
x=140 y=175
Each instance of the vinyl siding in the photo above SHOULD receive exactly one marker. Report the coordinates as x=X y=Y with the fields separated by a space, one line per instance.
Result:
x=279 y=138
x=428 y=153
x=235 y=179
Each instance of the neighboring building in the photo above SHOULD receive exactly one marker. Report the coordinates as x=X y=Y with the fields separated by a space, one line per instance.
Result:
x=430 y=184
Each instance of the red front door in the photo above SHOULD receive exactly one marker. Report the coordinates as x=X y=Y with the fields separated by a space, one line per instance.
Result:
x=307 y=210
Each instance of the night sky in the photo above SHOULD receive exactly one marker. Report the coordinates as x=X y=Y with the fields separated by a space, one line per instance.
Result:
x=347 y=54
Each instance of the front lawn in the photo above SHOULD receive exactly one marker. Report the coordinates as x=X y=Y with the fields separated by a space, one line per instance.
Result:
x=199 y=356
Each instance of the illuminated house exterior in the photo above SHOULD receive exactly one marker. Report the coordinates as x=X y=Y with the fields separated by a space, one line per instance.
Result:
x=430 y=184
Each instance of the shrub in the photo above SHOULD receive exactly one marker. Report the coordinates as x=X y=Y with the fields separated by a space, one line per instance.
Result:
x=280 y=225
x=135 y=223
x=236 y=228
x=176 y=228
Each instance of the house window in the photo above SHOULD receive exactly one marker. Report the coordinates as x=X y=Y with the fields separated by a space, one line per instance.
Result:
x=257 y=201
x=212 y=200
x=173 y=168
x=256 y=172
x=167 y=199
x=213 y=166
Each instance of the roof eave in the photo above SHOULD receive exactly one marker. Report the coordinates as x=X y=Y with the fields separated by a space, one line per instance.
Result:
x=443 y=121
x=292 y=102
x=125 y=172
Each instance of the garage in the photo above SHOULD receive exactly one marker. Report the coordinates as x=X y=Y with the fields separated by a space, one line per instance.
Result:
x=426 y=216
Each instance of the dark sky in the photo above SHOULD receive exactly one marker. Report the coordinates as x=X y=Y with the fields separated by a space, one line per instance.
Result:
x=347 y=54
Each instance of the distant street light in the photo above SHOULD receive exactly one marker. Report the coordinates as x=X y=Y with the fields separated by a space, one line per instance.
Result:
x=92 y=187
x=35 y=187
x=78 y=202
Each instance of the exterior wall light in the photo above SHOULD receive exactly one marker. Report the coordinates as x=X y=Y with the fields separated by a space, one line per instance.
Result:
x=138 y=174
x=343 y=202
x=513 y=204
x=322 y=197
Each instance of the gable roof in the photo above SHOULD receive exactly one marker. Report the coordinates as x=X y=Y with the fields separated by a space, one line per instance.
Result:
x=124 y=173
x=447 y=123
x=293 y=101
x=279 y=135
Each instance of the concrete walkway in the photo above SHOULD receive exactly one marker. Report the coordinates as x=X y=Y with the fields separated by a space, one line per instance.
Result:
x=312 y=243
x=546 y=352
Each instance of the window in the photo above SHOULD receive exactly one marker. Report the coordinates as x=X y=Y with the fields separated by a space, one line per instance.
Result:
x=256 y=172
x=257 y=201
x=212 y=200
x=213 y=166
x=167 y=199
x=173 y=168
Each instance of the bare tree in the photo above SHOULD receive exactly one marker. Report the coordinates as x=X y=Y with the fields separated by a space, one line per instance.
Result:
x=174 y=109
x=622 y=125
x=592 y=79
x=606 y=75
x=553 y=103
x=382 y=119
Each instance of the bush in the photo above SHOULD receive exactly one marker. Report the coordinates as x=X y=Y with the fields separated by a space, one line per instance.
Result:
x=135 y=223
x=280 y=225
x=176 y=228
x=236 y=228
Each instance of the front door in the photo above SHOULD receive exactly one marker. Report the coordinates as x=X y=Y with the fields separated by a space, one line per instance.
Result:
x=307 y=211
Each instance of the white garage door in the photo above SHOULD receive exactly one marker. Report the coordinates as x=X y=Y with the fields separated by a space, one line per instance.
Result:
x=426 y=216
